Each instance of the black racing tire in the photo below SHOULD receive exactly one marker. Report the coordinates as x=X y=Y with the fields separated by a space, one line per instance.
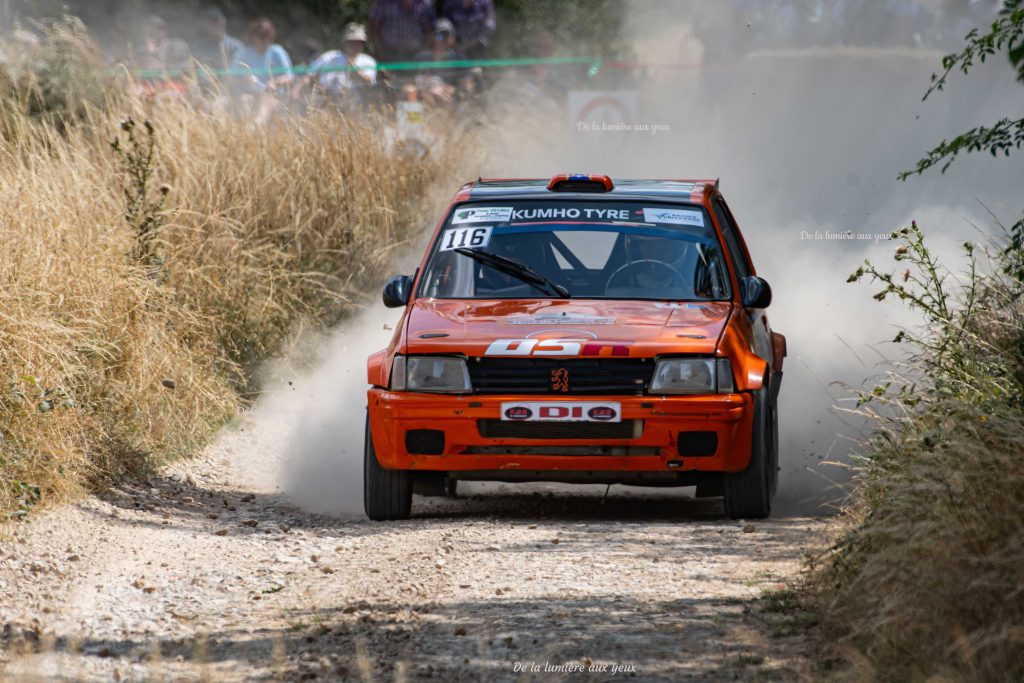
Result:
x=748 y=494
x=387 y=494
x=773 y=452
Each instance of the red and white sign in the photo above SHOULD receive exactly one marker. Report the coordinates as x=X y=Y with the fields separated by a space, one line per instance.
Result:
x=602 y=110
x=549 y=411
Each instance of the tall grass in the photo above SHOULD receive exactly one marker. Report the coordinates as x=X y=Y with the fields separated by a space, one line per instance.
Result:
x=926 y=581
x=58 y=83
x=136 y=290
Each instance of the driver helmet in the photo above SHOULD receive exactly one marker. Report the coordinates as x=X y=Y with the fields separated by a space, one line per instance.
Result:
x=650 y=248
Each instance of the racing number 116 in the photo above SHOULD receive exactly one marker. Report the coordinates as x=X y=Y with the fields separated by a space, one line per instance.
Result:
x=458 y=238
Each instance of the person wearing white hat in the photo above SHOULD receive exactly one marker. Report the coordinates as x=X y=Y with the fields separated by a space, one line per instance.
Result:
x=342 y=72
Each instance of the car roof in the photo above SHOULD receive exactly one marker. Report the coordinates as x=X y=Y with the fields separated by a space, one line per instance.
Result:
x=689 y=191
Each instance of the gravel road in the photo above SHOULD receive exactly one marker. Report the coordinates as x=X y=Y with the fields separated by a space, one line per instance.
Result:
x=193 y=575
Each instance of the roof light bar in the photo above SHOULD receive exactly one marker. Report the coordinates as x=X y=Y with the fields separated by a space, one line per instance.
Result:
x=581 y=182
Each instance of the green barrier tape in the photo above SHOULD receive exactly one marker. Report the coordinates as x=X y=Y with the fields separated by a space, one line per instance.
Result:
x=594 y=62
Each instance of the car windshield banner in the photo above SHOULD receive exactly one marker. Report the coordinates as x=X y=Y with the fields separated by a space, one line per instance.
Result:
x=597 y=212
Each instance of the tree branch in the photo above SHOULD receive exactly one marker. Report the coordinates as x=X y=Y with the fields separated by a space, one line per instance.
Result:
x=1007 y=33
x=1001 y=138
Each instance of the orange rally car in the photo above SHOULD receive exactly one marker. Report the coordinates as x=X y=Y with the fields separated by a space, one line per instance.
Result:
x=579 y=330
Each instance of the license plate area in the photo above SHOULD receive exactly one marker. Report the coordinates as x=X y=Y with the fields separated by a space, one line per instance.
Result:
x=561 y=411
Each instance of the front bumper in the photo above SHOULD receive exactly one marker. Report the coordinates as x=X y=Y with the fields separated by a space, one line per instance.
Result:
x=655 y=449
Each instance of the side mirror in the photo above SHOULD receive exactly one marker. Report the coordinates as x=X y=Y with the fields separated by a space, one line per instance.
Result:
x=396 y=291
x=756 y=293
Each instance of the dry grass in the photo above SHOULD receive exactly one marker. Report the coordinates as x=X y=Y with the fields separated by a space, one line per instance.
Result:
x=926 y=580
x=258 y=231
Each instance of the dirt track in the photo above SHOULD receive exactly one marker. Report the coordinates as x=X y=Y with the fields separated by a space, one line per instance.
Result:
x=190 y=576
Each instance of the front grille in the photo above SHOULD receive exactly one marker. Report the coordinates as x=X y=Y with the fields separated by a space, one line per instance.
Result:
x=572 y=376
x=562 y=450
x=501 y=429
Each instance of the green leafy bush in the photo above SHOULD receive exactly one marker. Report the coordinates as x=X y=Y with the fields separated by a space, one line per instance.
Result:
x=926 y=579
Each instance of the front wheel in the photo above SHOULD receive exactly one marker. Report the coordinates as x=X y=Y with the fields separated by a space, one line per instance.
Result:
x=387 y=494
x=748 y=494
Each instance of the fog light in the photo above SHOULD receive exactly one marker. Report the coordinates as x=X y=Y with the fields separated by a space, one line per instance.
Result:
x=698 y=444
x=424 y=442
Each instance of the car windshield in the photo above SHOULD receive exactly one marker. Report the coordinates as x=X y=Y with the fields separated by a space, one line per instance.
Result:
x=592 y=250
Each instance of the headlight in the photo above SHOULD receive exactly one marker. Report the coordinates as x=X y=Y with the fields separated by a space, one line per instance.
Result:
x=692 y=376
x=430 y=374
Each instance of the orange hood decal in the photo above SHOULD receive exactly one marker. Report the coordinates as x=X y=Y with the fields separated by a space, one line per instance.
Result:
x=564 y=327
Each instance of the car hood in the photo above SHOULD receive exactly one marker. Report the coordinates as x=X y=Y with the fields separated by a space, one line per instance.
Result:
x=596 y=327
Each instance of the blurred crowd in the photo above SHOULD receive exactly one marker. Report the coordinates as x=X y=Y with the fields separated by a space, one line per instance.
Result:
x=259 y=72
x=255 y=72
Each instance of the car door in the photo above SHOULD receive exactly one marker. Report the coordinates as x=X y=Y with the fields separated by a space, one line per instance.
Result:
x=756 y=318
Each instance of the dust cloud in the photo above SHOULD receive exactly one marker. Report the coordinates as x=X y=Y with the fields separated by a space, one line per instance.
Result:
x=304 y=437
x=807 y=142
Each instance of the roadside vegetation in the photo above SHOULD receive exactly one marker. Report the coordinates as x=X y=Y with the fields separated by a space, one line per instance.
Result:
x=153 y=252
x=926 y=578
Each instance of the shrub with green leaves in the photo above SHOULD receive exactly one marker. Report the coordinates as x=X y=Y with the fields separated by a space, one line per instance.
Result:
x=927 y=578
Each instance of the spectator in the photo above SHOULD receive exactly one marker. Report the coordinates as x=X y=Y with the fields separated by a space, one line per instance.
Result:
x=441 y=85
x=330 y=70
x=544 y=77
x=176 y=56
x=158 y=52
x=214 y=47
x=176 y=59
x=154 y=35
x=270 y=66
x=474 y=22
x=400 y=28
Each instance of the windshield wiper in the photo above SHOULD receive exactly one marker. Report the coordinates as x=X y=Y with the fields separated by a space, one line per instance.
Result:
x=516 y=269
